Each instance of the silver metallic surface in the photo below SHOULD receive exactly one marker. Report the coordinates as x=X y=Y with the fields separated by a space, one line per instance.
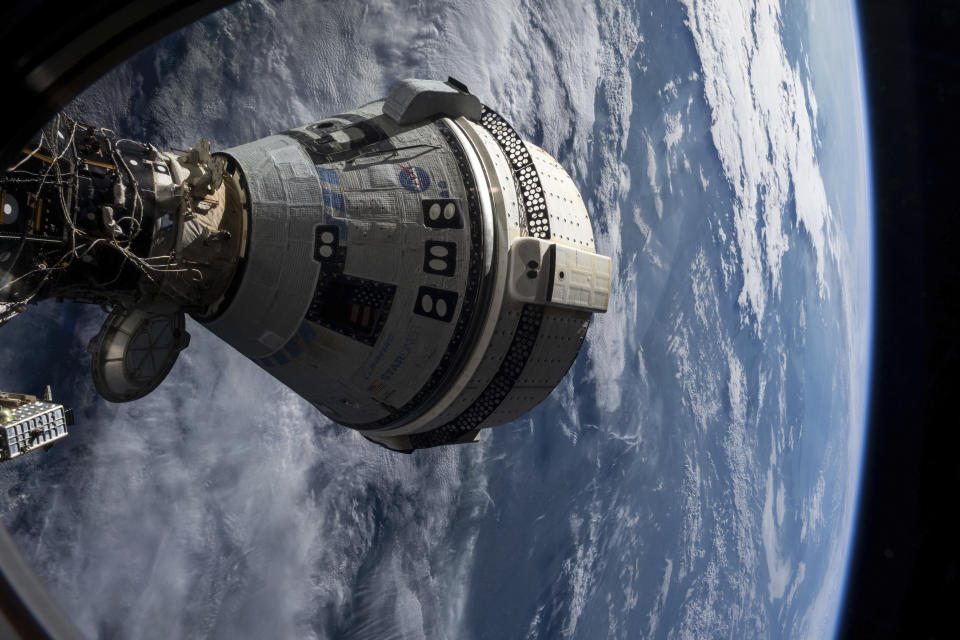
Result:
x=413 y=267
x=432 y=311
x=285 y=202
x=28 y=423
x=135 y=351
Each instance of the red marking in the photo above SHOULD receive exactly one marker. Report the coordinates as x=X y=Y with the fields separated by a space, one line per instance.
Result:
x=413 y=176
x=361 y=315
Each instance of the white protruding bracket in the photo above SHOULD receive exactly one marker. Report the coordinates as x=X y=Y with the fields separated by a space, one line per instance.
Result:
x=553 y=274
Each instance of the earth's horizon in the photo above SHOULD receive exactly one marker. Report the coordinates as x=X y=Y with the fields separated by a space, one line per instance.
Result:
x=695 y=474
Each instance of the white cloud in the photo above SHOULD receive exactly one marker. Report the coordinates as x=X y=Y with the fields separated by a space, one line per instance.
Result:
x=653 y=618
x=762 y=132
x=579 y=569
x=778 y=566
x=613 y=333
x=674 y=130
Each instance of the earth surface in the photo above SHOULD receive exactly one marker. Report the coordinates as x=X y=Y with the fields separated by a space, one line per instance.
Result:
x=696 y=473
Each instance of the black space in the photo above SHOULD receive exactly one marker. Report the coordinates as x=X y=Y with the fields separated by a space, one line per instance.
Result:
x=904 y=569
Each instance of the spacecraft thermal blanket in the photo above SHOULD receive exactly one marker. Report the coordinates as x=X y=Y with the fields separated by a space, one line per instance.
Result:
x=413 y=267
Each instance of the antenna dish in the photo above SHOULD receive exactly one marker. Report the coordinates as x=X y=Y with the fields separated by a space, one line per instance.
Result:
x=135 y=351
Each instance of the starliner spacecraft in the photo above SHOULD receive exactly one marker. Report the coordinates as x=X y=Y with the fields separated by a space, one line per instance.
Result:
x=413 y=268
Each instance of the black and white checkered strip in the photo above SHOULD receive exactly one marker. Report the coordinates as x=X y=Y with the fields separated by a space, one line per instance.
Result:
x=524 y=172
x=503 y=382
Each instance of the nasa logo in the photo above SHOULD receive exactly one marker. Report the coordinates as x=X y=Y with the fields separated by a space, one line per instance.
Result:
x=413 y=179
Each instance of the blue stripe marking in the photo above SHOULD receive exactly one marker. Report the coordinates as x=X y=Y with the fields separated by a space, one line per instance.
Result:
x=306 y=332
x=332 y=199
x=293 y=349
x=330 y=176
x=340 y=224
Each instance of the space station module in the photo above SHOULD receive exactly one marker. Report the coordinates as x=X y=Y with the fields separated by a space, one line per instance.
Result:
x=413 y=268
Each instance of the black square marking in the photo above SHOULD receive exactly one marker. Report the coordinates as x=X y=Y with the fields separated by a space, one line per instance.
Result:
x=444 y=213
x=440 y=258
x=435 y=303
x=326 y=243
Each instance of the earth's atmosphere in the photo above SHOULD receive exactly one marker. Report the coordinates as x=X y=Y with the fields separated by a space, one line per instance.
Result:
x=696 y=473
